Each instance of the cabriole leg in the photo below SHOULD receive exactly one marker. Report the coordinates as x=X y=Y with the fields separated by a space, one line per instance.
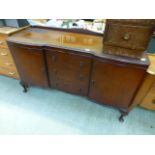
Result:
x=123 y=114
x=25 y=86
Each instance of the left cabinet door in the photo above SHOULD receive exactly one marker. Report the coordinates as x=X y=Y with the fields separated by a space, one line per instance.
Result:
x=30 y=64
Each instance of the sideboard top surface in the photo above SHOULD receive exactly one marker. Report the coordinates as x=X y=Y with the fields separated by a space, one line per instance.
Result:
x=82 y=42
x=43 y=36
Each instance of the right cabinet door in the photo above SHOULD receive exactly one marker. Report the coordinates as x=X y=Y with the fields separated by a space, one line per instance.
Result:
x=114 y=84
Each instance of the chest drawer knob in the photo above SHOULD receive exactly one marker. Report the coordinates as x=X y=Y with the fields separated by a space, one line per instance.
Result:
x=3 y=53
x=1 y=42
x=12 y=73
x=8 y=64
x=126 y=36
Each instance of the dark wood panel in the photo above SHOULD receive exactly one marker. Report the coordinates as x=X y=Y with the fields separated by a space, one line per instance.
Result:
x=30 y=64
x=114 y=84
x=133 y=37
x=68 y=71
x=129 y=38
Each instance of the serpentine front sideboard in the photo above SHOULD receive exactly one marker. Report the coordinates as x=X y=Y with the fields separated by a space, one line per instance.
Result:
x=74 y=62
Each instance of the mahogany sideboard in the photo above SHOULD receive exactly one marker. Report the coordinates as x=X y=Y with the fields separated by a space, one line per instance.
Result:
x=74 y=62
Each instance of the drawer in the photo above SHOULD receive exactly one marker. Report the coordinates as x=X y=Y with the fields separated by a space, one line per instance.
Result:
x=3 y=37
x=127 y=36
x=3 y=44
x=149 y=100
x=9 y=72
x=7 y=62
x=68 y=71
x=5 y=53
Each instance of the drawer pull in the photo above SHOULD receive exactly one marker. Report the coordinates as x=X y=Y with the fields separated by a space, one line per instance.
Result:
x=12 y=73
x=153 y=101
x=1 y=42
x=8 y=64
x=4 y=54
x=126 y=36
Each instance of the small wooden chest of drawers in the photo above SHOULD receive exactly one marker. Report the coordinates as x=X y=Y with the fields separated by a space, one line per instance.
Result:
x=7 y=66
x=146 y=94
x=127 y=37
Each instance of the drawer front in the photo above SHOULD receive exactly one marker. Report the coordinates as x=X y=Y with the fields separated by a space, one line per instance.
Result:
x=133 y=37
x=149 y=100
x=7 y=63
x=3 y=44
x=9 y=72
x=4 y=53
x=68 y=71
x=3 y=37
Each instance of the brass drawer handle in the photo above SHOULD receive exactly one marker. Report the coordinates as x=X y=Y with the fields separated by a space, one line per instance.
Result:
x=12 y=73
x=4 y=53
x=1 y=42
x=8 y=64
x=126 y=36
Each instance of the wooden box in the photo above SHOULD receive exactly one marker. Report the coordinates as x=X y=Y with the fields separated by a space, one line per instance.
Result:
x=127 y=37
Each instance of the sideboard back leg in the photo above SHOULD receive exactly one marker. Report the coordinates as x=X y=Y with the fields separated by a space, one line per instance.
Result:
x=25 y=86
x=123 y=114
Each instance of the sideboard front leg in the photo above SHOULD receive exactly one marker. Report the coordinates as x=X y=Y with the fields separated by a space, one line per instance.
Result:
x=123 y=114
x=25 y=86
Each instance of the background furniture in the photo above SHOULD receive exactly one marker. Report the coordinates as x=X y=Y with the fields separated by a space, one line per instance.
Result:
x=16 y=23
x=146 y=94
x=74 y=62
x=127 y=37
x=7 y=66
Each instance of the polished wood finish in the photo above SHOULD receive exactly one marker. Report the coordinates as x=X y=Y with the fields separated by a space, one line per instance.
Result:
x=115 y=83
x=7 y=66
x=127 y=37
x=149 y=100
x=68 y=71
x=33 y=72
x=146 y=94
x=56 y=38
x=75 y=62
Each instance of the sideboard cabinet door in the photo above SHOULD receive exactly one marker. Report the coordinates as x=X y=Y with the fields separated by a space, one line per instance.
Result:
x=30 y=64
x=114 y=84
x=68 y=71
